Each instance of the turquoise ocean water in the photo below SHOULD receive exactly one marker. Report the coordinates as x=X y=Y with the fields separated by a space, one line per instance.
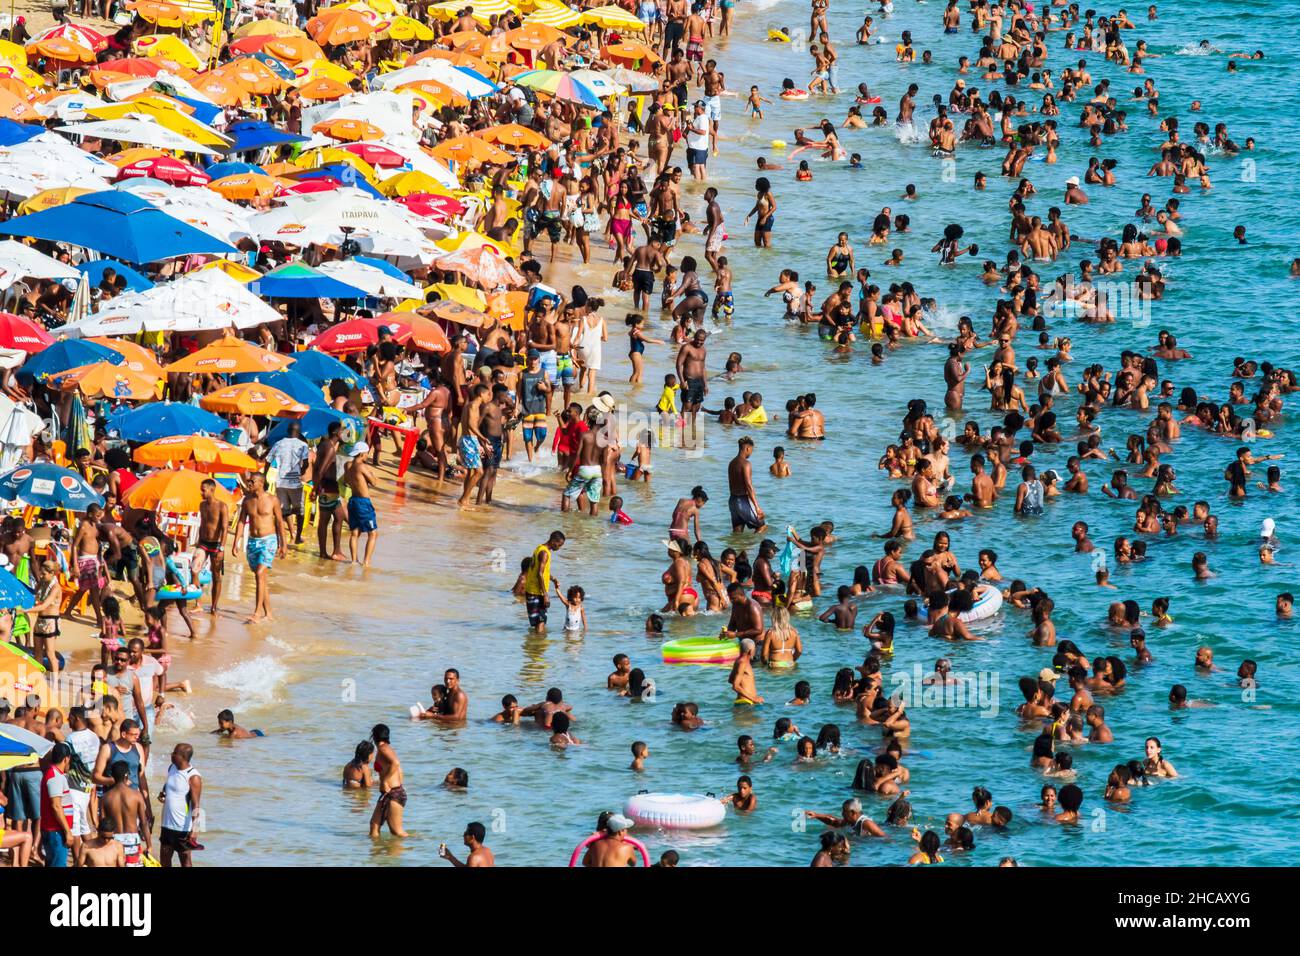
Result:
x=349 y=652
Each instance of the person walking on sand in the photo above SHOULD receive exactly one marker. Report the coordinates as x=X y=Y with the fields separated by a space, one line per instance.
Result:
x=361 y=510
x=268 y=539
x=392 y=794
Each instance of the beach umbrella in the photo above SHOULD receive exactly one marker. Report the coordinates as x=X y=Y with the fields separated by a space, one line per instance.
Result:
x=372 y=281
x=553 y=15
x=457 y=312
x=282 y=72
x=222 y=90
x=470 y=149
x=13 y=754
x=13 y=593
x=253 y=75
x=22 y=335
x=11 y=133
x=599 y=81
x=12 y=732
x=333 y=177
x=296 y=280
x=357 y=335
x=232 y=168
x=410 y=181
x=509 y=307
x=315 y=424
x=139 y=128
x=49 y=198
x=514 y=136
x=107 y=380
x=137 y=357
x=77 y=33
x=535 y=35
x=253 y=398
x=118 y=224
x=457 y=293
x=175 y=490
x=94 y=271
x=16 y=108
x=166 y=169
x=61 y=51
x=257 y=134
x=634 y=81
x=561 y=86
x=200 y=301
x=162 y=419
x=483 y=265
x=236 y=270
x=47 y=485
x=431 y=206
x=18 y=260
x=245 y=186
x=297 y=387
x=482 y=9
x=168 y=46
x=209 y=455
x=229 y=354
x=320 y=368
x=348 y=129
x=166 y=113
x=403 y=28
x=273 y=28
x=612 y=18
x=454 y=57
x=375 y=154
x=322 y=69
x=431 y=93
x=332 y=28
x=173 y=14
x=324 y=88
x=67 y=354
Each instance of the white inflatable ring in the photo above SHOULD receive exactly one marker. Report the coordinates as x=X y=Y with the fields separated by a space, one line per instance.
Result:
x=675 y=811
x=988 y=604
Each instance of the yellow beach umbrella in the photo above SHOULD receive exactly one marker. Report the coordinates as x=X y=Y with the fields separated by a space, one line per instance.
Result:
x=23 y=74
x=173 y=13
x=481 y=9
x=236 y=270
x=514 y=136
x=51 y=198
x=13 y=53
x=468 y=241
x=168 y=45
x=404 y=28
x=433 y=90
x=553 y=15
x=268 y=28
x=456 y=293
x=172 y=119
x=339 y=26
x=321 y=68
x=134 y=154
x=412 y=181
x=612 y=18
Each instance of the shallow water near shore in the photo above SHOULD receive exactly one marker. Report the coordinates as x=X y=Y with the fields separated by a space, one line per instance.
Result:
x=350 y=649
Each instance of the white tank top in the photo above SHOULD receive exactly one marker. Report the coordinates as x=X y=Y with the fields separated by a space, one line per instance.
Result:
x=176 y=802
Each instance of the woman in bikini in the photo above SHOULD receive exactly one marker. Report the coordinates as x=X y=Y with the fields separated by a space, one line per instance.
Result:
x=781 y=643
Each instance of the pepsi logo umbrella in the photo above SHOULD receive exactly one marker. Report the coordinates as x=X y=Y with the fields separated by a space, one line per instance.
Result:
x=46 y=485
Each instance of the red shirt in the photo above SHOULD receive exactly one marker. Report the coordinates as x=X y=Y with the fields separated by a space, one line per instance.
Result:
x=567 y=438
x=54 y=782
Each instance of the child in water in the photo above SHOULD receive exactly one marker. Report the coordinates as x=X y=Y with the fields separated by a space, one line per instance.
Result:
x=803 y=174
x=575 y=615
x=755 y=103
x=779 y=468
x=616 y=513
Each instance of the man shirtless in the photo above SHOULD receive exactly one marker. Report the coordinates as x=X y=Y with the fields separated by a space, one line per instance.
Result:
x=102 y=851
x=90 y=566
x=613 y=850
x=473 y=446
x=983 y=490
x=691 y=373
x=586 y=477
x=646 y=261
x=361 y=510
x=268 y=539
x=127 y=810
x=214 y=520
x=714 y=83
x=325 y=480
x=741 y=679
x=745 y=512
x=435 y=407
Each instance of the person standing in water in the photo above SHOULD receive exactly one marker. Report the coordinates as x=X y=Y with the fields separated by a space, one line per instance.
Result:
x=268 y=539
x=392 y=793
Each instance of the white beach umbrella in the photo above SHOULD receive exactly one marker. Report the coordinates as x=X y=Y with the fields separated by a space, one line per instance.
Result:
x=140 y=129
x=377 y=282
x=18 y=260
x=204 y=301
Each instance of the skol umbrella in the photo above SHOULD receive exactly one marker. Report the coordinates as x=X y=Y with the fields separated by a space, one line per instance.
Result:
x=196 y=451
x=253 y=398
x=229 y=354
x=177 y=490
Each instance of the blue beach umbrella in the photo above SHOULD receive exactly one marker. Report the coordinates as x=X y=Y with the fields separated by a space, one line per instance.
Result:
x=297 y=387
x=343 y=173
x=118 y=224
x=384 y=266
x=68 y=353
x=94 y=271
x=163 y=420
x=320 y=368
x=13 y=593
x=296 y=280
x=12 y=133
x=233 y=168
x=314 y=424
x=46 y=485
x=256 y=134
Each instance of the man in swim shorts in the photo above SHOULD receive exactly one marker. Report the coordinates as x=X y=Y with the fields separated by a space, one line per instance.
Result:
x=586 y=478
x=268 y=538
x=690 y=371
x=214 y=519
x=538 y=581
x=743 y=503
x=361 y=510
